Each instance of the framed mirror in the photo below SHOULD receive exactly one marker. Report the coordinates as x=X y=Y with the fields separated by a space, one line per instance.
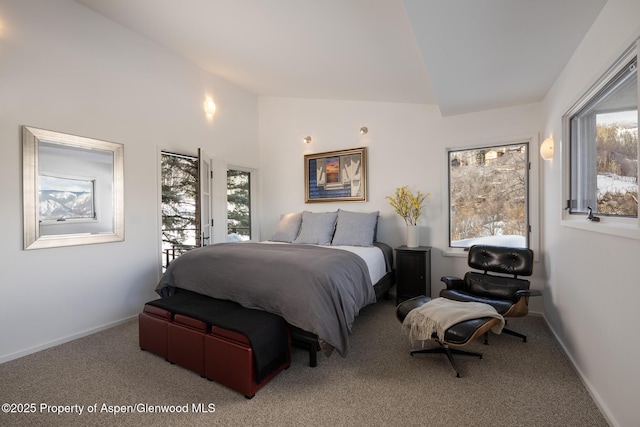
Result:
x=73 y=189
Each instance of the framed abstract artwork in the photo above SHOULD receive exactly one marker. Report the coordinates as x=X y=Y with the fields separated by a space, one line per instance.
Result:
x=336 y=176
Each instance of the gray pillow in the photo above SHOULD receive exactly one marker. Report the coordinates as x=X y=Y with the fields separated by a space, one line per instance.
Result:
x=355 y=228
x=288 y=227
x=317 y=228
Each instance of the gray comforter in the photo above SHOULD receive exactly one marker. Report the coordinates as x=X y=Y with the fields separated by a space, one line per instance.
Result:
x=320 y=290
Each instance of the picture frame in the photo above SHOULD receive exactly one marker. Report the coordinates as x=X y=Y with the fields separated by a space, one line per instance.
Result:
x=336 y=176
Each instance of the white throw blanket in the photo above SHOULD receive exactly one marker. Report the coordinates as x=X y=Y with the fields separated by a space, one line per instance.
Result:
x=439 y=314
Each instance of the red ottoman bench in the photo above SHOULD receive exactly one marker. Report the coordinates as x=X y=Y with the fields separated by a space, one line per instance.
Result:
x=152 y=329
x=229 y=360
x=185 y=343
x=238 y=347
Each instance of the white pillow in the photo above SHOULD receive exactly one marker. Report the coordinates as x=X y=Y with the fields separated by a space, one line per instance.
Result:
x=288 y=227
x=317 y=228
x=355 y=228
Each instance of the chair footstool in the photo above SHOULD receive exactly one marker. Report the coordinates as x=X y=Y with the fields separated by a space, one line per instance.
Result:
x=457 y=335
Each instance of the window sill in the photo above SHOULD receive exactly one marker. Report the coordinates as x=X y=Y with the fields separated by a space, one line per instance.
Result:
x=455 y=252
x=629 y=230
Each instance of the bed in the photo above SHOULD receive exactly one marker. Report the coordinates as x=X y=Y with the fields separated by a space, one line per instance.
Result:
x=317 y=271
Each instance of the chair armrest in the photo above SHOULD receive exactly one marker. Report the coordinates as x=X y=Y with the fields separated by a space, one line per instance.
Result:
x=453 y=282
x=528 y=293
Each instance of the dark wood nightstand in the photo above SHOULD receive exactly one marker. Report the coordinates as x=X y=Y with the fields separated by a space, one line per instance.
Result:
x=413 y=272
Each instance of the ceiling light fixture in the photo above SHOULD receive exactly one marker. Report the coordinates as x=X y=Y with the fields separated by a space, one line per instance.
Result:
x=363 y=130
x=307 y=139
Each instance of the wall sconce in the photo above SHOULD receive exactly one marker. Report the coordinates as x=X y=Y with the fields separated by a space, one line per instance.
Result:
x=307 y=140
x=209 y=107
x=546 y=149
x=363 y=130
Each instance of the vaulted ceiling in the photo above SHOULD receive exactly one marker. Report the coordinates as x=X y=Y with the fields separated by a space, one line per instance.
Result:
x=462 y=55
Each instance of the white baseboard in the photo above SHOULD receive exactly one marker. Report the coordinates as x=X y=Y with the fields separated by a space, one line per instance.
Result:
x=592 y=391
x=63 y=340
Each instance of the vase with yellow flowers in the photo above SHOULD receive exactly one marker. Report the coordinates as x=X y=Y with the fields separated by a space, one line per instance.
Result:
x=409 y=206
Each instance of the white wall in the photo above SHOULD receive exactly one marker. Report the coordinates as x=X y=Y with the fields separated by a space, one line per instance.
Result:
x=65 y=68
x=592 y=278
x=406 y=145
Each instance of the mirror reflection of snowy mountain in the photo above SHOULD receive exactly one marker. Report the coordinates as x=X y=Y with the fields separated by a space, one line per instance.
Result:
x=65 y=204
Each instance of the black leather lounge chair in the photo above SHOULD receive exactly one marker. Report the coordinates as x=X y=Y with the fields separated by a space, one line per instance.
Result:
x=507 y=293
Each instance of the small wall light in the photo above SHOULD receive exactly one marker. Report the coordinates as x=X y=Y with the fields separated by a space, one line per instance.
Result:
x=307 y=139
x=546 y=149
x=363 y=130
x=209 y=107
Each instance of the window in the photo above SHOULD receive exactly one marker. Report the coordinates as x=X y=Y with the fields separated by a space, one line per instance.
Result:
x=603 y=135
x=238 y=205
x=600 y=137
x=488 y=196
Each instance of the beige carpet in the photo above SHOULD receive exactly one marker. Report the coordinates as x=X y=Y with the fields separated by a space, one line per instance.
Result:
x=378 y=384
